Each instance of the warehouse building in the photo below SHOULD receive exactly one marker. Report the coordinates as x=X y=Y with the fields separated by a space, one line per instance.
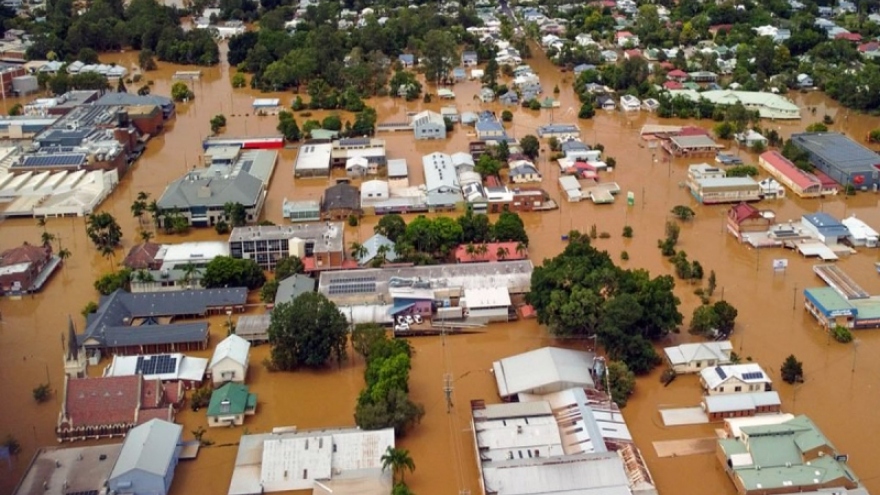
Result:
x=841 y=158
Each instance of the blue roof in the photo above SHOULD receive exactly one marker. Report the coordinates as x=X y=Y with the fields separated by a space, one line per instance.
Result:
x=827 y=225
x=838 y=150
x=489 y=125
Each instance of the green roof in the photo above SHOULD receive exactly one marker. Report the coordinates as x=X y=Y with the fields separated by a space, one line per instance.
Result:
x=829 y=299
x=868 y=308
x=232 y=398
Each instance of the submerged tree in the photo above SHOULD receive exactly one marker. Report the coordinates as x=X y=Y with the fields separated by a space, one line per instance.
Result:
x=307 y=332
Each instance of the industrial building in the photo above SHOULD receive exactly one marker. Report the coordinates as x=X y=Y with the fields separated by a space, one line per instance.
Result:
x=320 y=246
x=41 y=194
x=62 y=471
x=544 y=370
x=844 y=160
x=802 y=183
x=429 y=125
x=441 y=181
x=709 y=185
x=313 y=160
x=768 y=105
x=343 y=460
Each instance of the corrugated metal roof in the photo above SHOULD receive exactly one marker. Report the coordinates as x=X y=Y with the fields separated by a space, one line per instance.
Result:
x=232 y=347
x=148 y=448
x=549 y=369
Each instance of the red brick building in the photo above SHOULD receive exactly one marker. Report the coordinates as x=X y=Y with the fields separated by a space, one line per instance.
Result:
x=744 y=218
x=20 y=267
x=8 y=72
x=143 y=256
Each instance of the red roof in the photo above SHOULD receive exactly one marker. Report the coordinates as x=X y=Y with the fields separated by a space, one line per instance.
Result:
x=870 y=46
x=623 y=34
x=164 y=413
x=690 y=130
x=102 y=401
x=856 y=37
x=492 y=181
x=528 y=311
x=720 y=27
x=826 y=181
x=743 y=212
x=667 y=65
x=26 y=253
x=142 y=256
x=462 y=256
x=677 y=73
x=673 y=85
x=785 y=167
x=635 y=52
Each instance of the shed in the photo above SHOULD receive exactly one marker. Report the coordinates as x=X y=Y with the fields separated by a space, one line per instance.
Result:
x=230 y=360
x=254 y=328
x=543 y=371
x=147 y=460
x=860 y=233
x=571 y=187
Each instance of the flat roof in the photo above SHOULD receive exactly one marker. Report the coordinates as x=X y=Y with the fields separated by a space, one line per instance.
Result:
x=486 y=297
x=313 y=157
x=80 y=467
x=838 y=150
x=695 y=142
x=329 y=233
x=195 y=252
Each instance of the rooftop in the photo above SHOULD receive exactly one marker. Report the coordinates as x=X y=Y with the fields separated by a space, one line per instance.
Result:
x=165 y=367
x=324 y=234
x=544 y=370
x=293 y=286
x=508 y=251
x=232 y=347
x=701 y=351
x=313 y=157
x=838 y=150
x=177 y=255
x=785 y=167
x=149 y=448
x=746 y=373
x=68 y=470
x=231 y=398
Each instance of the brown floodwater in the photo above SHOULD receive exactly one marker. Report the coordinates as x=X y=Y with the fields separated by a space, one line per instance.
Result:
x=841 y=389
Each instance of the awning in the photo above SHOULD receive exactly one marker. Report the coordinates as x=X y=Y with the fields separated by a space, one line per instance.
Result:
x=400 y=307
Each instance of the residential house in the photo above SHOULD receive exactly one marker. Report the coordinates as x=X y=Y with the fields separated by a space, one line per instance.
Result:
x=319 y=245
x=356 y=167
x=462 y=162
x=489 y=129
x=734 y=379
x=804 y=80
x=677 y=75
x=510 y=98
x=459 y=74
x=146 y=463
x=230 y=404
x=609 y=56
x=523 y=171
x=605 y=102
x=294 y=286
x=722 y=406
x=429 y=125
x=578 y=69
x=340 y=201
x=377 y=246
x=469 y=59
x=230 y=361
x=26 y=268
x=450 y=113
x=744 y=218
x=487 y=95
x=584 y=40
x=751 y=138
x=693 y=358
x=629 y=103
x=870 y=50
x=373 y=190
x=625 y=39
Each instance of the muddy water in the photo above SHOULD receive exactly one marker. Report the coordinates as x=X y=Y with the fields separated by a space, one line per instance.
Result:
x=840 y=392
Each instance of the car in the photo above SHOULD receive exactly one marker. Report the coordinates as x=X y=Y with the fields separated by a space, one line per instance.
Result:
x=403 y=327
x=401 y=320
x=418 y=319
x=409 y=320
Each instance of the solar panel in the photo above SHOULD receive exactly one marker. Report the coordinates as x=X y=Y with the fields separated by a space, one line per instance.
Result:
x=753 y=375
x=54 y=160
x=720 y=372
x=156 y=365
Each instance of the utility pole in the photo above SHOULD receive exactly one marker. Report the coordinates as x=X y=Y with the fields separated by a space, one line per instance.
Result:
x=447 y=390
x=794 y=298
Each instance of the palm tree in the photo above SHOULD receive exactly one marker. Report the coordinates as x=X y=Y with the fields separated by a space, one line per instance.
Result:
x=470 y=250
x=146 y=235
x=358 y=251
x=153 y=209
x=502 y=252
x=47 y=238
x=107 y=251
x=41 y=222
x=64 y=254
x=482 y=250
x=382 y=252
x=189 y=272
x=521 y=249
x=399 y=461
x=144 y=276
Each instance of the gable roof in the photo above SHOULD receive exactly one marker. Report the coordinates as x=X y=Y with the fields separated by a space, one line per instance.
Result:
x=142 y=256
x=293 y=286
x=341 y=196
x=548 y=367
x=232 y=347
x=688 y=353
x=746 y=373
x=785 y=167
x=103 y=400
x=238 y=397
x=148 y=448
x=372 y=246
x=198 y=189
x=26 y=253
x=743 y=212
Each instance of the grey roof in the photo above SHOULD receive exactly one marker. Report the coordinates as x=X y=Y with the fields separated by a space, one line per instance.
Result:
x=194 y=189
x=838 y=150
x=372 y=246
x=489 y=126
x=110 y=324
x=558 y=129
x=397 y=167
x=574 y=146
x=292 y=287
x=148 y=448
x=524 y=169
x=130 y=99
x=342 y=196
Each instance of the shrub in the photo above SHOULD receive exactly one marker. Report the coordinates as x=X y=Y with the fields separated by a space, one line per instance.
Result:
x=841 y=334
x=624 y=255
x=627 y=232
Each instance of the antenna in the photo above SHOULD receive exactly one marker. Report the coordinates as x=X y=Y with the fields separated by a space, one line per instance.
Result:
x=447 y=390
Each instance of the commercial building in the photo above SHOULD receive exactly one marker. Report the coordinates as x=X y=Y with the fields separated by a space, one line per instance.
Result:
x=370 y=150
x=340 y=201
x=15 y=127
x=709 y=185
x=173 y=266
x=803 y=184
x=790 y=457
x=294 y=286
x=201 y=195
x=429 y=125
x=127 y=323
x=842 y=304
x=489 y=304
x=64 y=471
x=693 y=358
x=441 y=181
x=398 y=173
x=301 y=211
x=571 y=187
x=230 y=361
x=230 y=404
x=768 y=105
x=735 y=379
x=860 y=233
x=320 y=246
x=542 y=371
x=824 y=227
x=24 y=269
x=744 y=219
x=107 y=407
x=313 y=160
x=146 y=463
x=844 y=160
x=169 y=368
x=44 y=194
x=344 y=460
x=721 y=406
x=690 y=145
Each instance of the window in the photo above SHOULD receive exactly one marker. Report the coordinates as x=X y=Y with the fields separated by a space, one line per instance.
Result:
x=737 y=389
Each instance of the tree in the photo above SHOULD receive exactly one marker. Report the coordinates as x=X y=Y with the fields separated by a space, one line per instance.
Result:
x=64 y=254
x=742 y=171
x=42 y=393
x=364 y=336
x=307 y=332
x=268 y=291
x=704 y=321
x=395 y=410
x=146 y=60
x=235 y=213
x=712 y=283
x=401 y=489
x=221 y=227
x=47 y=238
x=587 y=110
x=530 y=146
x=510 y=228
x=190 y=271
x=487 y=166
x=726 y=314
x=399 y=461
x=103 y=230
x=218 y=122
x=358 y=250
x=621 y=381
x=288 y=266
x=225 y=271
x=817 y=127
x=682 y=212
x=16 y=109
x=391 y=226
x=502 y=151
x=792 y=370
x=288 y=127
x=724 y=130
x=89 y=308
x=239 y=80
x=139 y=206
x=439 y=54
x=181 y=92
x=113 y=281
x=506 y=116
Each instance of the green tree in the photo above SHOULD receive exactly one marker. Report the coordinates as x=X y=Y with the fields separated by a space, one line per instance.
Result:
x=358 y=250
x=332 y=123
x=391 y=226
x=627 y=231
x=683 y=212
x=218 y=122
x=146 y=60
x=225 y=271
x=308 y=331
x=817 y=127
x=502 y=151
x=288 y=266
x=239 y=80
x=475 y=227
x=712 y=283
x=181 y=92
x=89 y=308
x=742 y=171
x=792 y=370
x=506 y=116
x=401 y=489
x=16 y=109
x=439 y=53
x=113 y=281
x=487 y=166
x=622 y=382
x=235 y=213
x=704 y=321
x=288 y=127
x=268 y=291
x=364 y=336
x=42 y=393
x=399 y=461
x=103 y=230
x=510 y=228
x=530 y=146
x=395 y=410
x=724 y=130
x=726 y=314
x=587 y=111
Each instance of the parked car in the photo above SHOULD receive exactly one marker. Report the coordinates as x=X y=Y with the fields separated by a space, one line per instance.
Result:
x=418 y=319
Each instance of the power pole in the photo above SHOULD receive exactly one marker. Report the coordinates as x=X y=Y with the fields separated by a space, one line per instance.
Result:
x=447 y=390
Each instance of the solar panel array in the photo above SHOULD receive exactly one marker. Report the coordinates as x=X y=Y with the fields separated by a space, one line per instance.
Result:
x=156 y=365
x=721 y=372
x=354 y=285
x=54 y=160
x=753 y=375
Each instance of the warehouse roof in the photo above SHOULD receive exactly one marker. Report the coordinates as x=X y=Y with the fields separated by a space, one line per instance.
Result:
x=837 y=150
x=148 y=447
x=549 y=369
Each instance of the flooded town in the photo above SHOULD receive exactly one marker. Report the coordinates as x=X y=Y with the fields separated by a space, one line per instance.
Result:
x=507 y=272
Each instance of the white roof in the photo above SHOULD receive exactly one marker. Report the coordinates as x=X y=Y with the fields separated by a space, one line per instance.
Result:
x=374 y=187
x=486 y=297
x=428 y=117
x=549 y=369
x=462 y=158
x=149 y=448
x=313 y=156
x=582 y=474
x=195 y=252
x=569 y=183
x=734 y=425
x=356 y=161
x=746 y=373
x=186 y=367
x=266 y=102
x=859 y=229
x=702 y=351
x=397 y=168
x=439 y=172
x=232 y=347
x=740 y=402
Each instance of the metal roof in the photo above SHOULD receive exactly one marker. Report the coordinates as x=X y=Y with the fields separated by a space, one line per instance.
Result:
x=294 y=286
x=372 y=246
x=54 y=160
x=196 y=189
x=746 y=373
x=838 y=151
x=720 y=403
x=232 y=347
x=544 y=370
x=440 y=173
x=148 y=448
x=701 y=351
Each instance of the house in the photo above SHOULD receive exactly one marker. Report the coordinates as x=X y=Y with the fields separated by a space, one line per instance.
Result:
x=356 y=167
x=605 y=102
x=230 y=404
x=523 y=171
x=751 y=139
x=509 y=98
x=650 y=104
x=373 y=190
x=609 y=56
x=429 y=125
x=629 y=103
x=690 y=145
x=450 y=113
x=230 y=361
x=723 y=406
x=407 y=60
x=292 y=287
x=559 y=131
x=703 y=76
x=146 y=463
x=625 y=38
x=169 y=368
x=459 y=74
x=804 y=80
x=802 y=183
x=340 y=201
x=469 y=59
x=677 y=75
x=692 y=358
x=201 y=195
x=824 y=227
x=844 y=160
x=794 y=457
x=326 y=461
x=377 y=246
x=143 y=257
x=319 y=245
x=860 y=233
x=578 y=69
x=744 y=218
x=542 y=371
x=734 y=379
x=107 y=407
x=490 y=130
x=24 y=269
x=487 y=95
x=771 y=189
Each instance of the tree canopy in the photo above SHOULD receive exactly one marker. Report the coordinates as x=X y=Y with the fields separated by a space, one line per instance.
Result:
x=307 y=332
x=103 y=230
x=226 y=271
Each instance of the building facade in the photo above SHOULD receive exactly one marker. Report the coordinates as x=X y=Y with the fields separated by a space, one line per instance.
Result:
x=321 y=245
